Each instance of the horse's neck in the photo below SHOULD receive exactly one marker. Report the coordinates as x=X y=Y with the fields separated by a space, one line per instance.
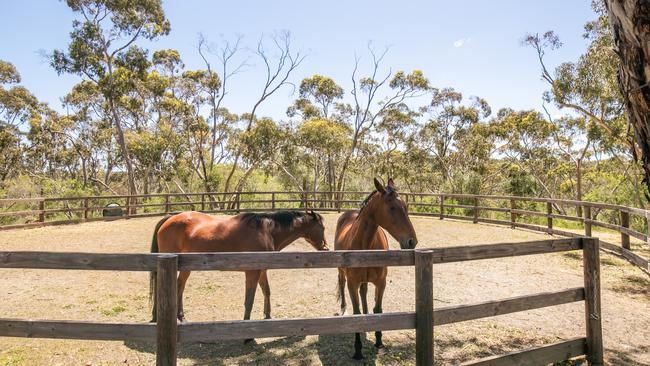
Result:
x=283 y=237
x=364 y=229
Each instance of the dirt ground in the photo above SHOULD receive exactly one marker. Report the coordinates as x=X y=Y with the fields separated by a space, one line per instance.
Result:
x=123 y=297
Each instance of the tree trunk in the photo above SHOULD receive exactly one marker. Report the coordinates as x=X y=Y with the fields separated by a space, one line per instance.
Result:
x=630 y=22
x=125 y=151
x=579 y=186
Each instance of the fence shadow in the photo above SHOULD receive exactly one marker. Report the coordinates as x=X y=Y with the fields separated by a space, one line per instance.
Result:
x=330 y=350
x=222 y=353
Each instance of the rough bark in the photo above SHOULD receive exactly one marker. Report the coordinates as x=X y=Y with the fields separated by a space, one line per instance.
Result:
x=630 y=23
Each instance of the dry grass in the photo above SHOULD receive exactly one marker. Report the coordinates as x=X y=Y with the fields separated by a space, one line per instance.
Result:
x=113 y=296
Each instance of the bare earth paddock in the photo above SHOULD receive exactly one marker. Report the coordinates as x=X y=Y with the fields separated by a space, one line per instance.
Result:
x=123 y=296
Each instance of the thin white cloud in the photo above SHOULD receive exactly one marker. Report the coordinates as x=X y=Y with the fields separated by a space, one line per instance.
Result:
x=461 y=42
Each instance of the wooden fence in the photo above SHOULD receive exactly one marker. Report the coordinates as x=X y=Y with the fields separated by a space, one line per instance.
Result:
x=537 y=214
x=167 y=333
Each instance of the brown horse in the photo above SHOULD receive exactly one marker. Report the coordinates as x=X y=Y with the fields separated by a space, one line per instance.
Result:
x=248 y=232
x=362 y=230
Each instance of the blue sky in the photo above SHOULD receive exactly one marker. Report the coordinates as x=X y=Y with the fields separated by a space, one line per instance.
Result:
x=473 y=46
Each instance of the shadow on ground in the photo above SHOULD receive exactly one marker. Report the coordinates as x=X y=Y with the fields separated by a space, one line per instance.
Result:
x=329 y=350
x=337 y=350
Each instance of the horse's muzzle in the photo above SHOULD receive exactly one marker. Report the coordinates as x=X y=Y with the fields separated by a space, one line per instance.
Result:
x=409 y=243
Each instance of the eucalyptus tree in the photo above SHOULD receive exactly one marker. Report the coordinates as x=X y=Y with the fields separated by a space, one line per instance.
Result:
x=278 y=66
x=630 y=34
x=322 y=142
x=448 y=131
x=317 y=98
x=17 y=107
x=373 y=95
x=524 y=139
x=102 y=50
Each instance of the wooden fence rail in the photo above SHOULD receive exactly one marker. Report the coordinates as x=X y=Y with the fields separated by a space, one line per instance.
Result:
x=37 y=212
x=167 y=333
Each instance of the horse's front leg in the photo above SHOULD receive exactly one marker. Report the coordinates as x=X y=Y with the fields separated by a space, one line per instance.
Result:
x=266 y=290
x=252 y=279
x=363 y=291
x=353 y=289
x=380 y=286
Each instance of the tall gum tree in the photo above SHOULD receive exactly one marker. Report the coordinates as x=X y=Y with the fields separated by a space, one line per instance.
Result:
x=630 y=25
x=104 y=34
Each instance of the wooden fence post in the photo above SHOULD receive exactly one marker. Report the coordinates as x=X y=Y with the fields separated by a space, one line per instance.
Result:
x=591 y=263
x=85 y=208
x=442 y=206
x=273 y=201
x=475 y=210
x=549 y=218
x=625 y=222
x=587 y=220
x=166 y=311
x=423 y=307
x=202 y=202
x=406 y=200
x=237 y=198
x=513 y=215
x=41 y=208
x=166 y=203
x=127 y=206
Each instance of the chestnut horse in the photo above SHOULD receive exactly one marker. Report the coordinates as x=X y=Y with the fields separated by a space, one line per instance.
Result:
x=248 y=232
x=362 y=230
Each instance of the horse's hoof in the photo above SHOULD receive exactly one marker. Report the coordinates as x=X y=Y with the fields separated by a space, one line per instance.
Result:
x=379 y=345
x=358 y=356
x=249 y=341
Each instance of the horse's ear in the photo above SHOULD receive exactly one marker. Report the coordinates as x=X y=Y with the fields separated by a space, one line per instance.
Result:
x=391 y=183
x=379 y=187
x=313 y=214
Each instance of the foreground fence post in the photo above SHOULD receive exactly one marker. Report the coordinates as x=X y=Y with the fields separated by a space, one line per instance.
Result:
x=625 y=222
x=549 y=218
x=587 y=220
x=591 y=263
x=166 y=310
x=423 y=307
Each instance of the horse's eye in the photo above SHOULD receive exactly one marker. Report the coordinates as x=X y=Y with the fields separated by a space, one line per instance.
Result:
x=392 y=208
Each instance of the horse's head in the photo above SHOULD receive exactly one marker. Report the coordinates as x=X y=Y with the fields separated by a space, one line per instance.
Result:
x=391 y=214
x=314 y=230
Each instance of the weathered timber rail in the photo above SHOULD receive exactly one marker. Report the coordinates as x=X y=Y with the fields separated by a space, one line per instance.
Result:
x=167 y=333
x=538 y=214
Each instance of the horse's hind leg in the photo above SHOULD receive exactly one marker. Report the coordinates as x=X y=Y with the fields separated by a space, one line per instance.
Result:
x=380 y=286
x=252 y=279
x=266 y=290
x=341 y=290
x=182 y=280
x=353 y=289
x=363 y=291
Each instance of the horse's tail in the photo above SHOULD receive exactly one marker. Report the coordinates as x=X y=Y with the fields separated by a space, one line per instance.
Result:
x=154 y=249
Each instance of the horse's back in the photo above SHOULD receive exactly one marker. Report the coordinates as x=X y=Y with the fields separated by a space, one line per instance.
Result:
x=193 y=231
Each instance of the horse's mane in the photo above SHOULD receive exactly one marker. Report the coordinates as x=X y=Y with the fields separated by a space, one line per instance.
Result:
x=364 y=203
x=285 y=218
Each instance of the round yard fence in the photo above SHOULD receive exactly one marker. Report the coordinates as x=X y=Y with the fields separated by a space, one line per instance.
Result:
x=575 y=218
